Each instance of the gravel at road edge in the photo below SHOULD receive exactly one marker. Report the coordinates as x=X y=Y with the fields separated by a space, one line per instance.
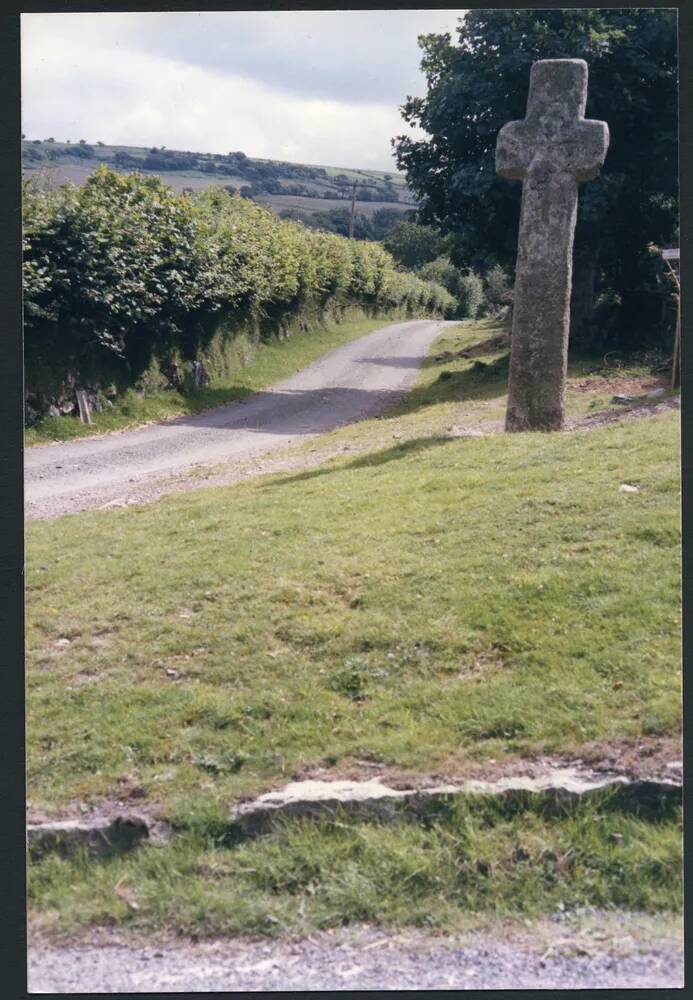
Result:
x=355 y=959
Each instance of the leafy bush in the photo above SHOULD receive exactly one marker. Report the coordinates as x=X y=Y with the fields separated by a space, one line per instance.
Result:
x=122 y=272
x=443 y=271
x=113 y=268
x=413 y=245
x=471 y=295
x=499 y=292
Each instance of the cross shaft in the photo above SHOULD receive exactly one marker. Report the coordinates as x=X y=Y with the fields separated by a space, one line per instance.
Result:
x=550 y=151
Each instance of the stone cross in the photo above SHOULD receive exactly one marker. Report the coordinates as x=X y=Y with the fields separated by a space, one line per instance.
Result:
x=550 y=150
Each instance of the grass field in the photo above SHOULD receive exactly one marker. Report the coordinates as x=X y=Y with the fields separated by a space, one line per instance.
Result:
x=432 y=603
x=279 y=202
x=259 y=365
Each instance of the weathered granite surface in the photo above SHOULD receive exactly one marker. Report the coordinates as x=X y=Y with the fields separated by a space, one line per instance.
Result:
x=99 y=836
x=552 y=149
x=372 y=800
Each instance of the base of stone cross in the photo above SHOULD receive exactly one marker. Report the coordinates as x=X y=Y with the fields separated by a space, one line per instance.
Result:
x=517 y=420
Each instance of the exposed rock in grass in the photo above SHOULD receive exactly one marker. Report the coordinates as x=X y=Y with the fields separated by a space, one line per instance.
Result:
x=100 y=836
x=375 y=801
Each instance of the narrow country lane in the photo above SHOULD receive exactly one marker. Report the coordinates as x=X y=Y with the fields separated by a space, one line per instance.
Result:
x=356 y=380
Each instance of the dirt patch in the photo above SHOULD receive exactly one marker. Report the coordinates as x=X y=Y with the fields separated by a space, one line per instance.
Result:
x=477 y=429
x=643 y=408
x=644 y=758
x=648 y=757
x=619 y=385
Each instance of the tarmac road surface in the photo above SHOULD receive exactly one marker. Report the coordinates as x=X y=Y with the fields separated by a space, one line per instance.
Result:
x=356 y=380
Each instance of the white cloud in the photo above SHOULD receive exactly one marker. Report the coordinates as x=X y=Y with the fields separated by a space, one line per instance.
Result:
x=191 y=81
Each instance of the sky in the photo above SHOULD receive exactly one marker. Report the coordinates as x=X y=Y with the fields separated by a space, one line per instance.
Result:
x=318 y=87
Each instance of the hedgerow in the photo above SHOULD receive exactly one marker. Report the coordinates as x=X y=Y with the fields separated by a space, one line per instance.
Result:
x=122 y=271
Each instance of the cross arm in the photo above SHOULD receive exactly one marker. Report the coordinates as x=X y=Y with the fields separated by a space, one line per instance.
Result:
x=513 y=154
x=588 y=152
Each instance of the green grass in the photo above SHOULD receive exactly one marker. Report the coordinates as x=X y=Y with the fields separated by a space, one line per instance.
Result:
x=432 y=602
x=477 y=863
x=265 y=363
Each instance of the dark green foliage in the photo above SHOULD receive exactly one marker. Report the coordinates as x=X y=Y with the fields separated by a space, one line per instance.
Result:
x=334 y=220
x=444 y=272
x=413 y=245
x=122 y=271
x=384 y=221
x=112 y=269
x=480 y=83
x=498 y=293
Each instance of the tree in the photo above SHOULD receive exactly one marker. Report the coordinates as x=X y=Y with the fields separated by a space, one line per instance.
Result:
x=413 y=245
x=480 y=83
x=444 y=272
x=384 y=221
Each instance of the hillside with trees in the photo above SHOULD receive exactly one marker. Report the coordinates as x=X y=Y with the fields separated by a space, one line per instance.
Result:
x=281 y=185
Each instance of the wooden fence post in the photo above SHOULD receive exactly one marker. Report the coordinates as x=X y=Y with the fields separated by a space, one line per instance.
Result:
x=83 y=404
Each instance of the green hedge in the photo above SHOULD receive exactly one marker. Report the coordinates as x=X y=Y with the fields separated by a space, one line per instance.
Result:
x=122 y=271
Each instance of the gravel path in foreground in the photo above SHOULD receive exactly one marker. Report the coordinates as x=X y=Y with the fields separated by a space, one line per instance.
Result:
x=357 y=380
x=361 y=959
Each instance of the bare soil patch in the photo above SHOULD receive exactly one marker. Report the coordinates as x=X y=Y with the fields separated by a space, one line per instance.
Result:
x=642 y=408
x=644 y=758
x=619 y=385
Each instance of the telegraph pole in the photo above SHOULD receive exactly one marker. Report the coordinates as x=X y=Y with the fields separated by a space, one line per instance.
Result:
x=353 y=204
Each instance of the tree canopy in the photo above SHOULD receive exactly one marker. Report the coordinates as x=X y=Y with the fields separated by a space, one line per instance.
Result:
x=413 y=245
x=479 y=83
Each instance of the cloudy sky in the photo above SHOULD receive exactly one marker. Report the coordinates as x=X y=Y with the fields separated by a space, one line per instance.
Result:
x=319 y=87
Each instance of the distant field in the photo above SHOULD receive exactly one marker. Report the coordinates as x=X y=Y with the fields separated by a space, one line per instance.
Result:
x=281 y=201
x=177 y=179
x=56 y=163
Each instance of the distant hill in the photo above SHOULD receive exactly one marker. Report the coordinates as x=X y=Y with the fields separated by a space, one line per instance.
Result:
x=294 y=186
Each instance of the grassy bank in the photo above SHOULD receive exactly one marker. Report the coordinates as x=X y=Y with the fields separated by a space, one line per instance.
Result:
x=432 y=604
x=259 y=365
x=479 y=864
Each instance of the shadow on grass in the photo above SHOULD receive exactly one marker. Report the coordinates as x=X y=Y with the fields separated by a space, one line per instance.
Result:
x=370 y=460
x=477 y=382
